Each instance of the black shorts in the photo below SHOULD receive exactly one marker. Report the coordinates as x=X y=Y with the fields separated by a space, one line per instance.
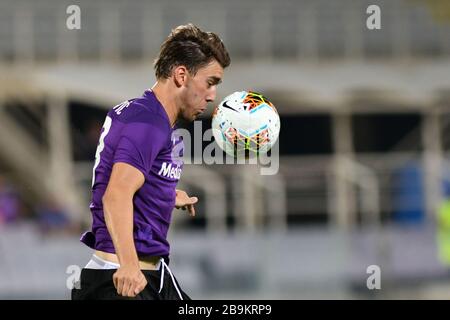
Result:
x=98 y=285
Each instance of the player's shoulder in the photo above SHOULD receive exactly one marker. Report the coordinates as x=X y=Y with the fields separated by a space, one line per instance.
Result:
x=142 y=109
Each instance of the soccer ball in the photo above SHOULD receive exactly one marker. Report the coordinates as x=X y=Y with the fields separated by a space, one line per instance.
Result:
x=247 y=123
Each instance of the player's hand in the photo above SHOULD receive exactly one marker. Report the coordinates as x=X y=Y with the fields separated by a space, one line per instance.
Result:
x=129 y=281
x=183 y=201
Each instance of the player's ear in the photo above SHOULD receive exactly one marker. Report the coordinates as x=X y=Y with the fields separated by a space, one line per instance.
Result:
x=180 y=74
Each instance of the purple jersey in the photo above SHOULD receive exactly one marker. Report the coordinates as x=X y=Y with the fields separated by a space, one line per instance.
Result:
x=138 y=132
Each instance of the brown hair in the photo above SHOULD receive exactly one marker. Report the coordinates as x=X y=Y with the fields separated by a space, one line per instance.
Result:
x=191 y=47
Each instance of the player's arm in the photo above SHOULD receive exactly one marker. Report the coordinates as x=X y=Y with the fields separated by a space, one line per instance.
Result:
x=183 y=201
x=125 y=180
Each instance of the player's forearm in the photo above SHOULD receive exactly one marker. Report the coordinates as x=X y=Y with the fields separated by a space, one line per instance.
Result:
x=118 y=210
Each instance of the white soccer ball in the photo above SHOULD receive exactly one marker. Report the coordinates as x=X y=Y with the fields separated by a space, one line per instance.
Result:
x=245 y=122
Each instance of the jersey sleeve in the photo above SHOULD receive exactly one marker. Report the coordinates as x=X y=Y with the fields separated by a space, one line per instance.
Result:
x=139 y=144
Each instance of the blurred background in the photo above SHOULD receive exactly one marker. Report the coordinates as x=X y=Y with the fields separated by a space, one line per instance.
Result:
x=364 y=175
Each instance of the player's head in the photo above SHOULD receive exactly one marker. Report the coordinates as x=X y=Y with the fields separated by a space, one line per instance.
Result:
x=194 y=60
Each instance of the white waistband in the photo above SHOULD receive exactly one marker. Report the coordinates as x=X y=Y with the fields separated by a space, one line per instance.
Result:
x=101 y=264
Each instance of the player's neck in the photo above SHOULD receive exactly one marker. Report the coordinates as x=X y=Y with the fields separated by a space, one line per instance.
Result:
x=165 y=96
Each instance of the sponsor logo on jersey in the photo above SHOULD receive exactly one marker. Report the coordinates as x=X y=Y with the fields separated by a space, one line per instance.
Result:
x=170 y=171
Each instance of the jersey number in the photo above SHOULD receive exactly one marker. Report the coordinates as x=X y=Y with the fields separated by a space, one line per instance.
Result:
x=101 y=145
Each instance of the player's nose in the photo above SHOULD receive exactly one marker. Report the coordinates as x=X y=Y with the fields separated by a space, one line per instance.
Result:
x=212 y=94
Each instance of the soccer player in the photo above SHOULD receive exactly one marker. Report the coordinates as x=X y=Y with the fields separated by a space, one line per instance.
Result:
x=135 y=173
